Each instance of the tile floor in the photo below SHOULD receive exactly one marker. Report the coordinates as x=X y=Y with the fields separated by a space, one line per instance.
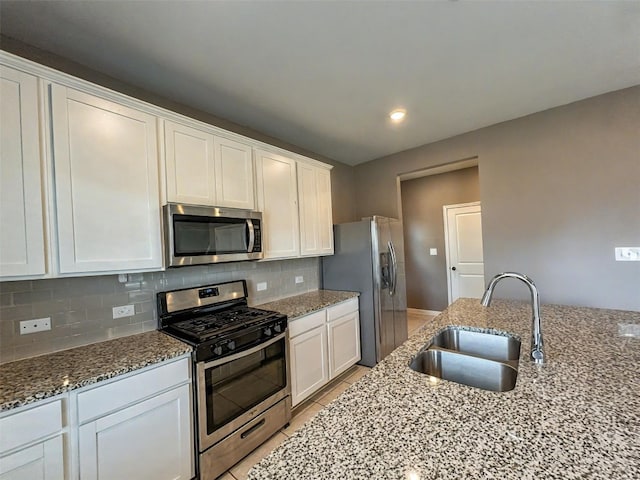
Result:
x=308 y=409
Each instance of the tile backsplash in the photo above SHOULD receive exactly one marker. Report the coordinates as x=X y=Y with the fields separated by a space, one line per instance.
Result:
x=81 y=308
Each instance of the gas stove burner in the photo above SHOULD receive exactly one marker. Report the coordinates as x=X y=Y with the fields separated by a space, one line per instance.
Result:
x=216 y=318
x=219 y=323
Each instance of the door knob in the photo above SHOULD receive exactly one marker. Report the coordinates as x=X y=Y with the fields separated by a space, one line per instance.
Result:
x=453 y=268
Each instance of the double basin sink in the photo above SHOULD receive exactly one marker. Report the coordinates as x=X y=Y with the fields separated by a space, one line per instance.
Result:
x=472 y=357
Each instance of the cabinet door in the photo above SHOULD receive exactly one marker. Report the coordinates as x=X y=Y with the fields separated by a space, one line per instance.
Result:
x=234 y=174
x=106 y=179
x=344 y=343
x=42 y=461
x=190 y=165
x=316 y=233
x=278 y=202
x=22 y=244
x=325 y=212
x=148 y=440
x=309 y=365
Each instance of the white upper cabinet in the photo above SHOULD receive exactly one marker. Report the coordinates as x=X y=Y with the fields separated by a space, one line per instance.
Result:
x=189 y=165
x=316 y=223
x=203 y=169
x=80 y=179
x=278 y=201
x=234 y=174
x=22 y=240
x=106 y=180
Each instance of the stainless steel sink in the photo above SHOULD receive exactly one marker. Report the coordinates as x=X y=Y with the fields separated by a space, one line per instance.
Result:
x=486 y=345
x=477 y=359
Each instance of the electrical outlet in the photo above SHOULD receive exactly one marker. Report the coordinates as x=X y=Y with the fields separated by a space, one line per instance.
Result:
x=261 y=286
x=629 y=330
x=433 y=251
x=627 y=254
x=35 y=325
x=299 y=279
x=123 y=311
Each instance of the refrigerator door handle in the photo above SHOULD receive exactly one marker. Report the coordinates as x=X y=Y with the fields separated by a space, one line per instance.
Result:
x=393 y=281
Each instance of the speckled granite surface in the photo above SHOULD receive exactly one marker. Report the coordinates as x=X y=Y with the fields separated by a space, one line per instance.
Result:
x=32 y=379
x=578 y=416
x=309 y=302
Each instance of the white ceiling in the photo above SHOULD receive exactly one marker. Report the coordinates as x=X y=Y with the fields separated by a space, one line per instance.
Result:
x=323 y=74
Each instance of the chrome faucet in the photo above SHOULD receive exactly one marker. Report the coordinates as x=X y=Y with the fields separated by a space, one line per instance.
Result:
x=537 y=351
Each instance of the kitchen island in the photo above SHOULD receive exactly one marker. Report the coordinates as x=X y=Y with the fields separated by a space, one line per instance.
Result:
x=577 y=416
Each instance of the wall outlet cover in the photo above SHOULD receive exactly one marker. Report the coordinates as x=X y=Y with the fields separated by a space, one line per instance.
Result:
x=299 y=279
x=629 y=330
x=123 y=311
x=261 y=286
x=627 y=254
x=35 y=325
x=433 y=251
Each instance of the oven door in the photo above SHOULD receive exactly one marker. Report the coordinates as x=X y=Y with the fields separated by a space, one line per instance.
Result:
x=234 y=389
x=200 y=235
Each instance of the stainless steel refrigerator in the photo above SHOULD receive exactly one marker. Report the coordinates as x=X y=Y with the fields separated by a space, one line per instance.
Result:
x=369 y=258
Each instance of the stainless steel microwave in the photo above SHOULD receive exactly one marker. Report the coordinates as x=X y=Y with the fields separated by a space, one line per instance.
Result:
x=196 y=235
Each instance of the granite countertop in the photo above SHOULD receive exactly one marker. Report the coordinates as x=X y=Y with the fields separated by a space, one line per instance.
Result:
x=578 y=416
x=305 y=303
x=33 y=379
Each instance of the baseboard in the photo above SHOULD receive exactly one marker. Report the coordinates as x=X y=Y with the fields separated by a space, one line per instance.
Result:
x=418 y=311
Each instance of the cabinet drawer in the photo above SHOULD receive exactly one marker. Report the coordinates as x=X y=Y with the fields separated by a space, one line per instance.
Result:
x=30 y=425
x=342 y=309
x=116 y=395
x=306 y=323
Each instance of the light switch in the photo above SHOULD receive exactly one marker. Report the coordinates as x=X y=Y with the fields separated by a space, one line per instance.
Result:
x=433 y=251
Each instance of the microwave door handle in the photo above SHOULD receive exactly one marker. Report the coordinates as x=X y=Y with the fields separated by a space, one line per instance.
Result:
x=252 y=235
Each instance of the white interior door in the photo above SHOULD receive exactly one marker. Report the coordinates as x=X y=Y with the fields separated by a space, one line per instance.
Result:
x=463 y=240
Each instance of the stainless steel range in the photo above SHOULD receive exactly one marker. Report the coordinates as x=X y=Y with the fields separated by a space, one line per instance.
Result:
x=242 y=390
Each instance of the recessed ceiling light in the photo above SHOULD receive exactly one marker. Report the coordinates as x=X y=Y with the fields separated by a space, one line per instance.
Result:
x=397 y=115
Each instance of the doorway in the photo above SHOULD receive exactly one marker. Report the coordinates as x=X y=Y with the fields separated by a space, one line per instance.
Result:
x=422 y=200
x=463 y=250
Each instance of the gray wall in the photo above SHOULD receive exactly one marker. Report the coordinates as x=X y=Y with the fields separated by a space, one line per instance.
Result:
x=81 y=308
x=423 y=223
x=341 y=174
x=559 y=190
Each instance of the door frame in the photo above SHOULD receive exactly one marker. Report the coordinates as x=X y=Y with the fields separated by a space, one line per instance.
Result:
x=445 y=212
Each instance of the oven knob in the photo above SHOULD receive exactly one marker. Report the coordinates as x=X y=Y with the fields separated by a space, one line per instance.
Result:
x=231 y=345
x=267 y=332
x=217 y=350
x=277 y=328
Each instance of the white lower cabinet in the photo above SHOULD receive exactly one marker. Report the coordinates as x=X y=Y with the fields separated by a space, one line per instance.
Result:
x=148 y=440
x=138 y=427
x=309 y=369
x=344 y=343
x=31 y=443
x=42 y=461
x=323 y=344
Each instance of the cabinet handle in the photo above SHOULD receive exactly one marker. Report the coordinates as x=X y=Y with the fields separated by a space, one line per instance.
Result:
x=249 y=431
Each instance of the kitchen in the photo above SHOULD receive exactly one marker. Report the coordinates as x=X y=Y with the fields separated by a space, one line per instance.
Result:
x=547 y=235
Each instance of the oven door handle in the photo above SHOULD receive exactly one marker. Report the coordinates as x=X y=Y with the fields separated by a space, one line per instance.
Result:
x=243 y=353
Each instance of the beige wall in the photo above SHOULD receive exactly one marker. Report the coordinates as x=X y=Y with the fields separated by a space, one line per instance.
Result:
x=423 y=223
x=341 y=174
x=559 y=190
